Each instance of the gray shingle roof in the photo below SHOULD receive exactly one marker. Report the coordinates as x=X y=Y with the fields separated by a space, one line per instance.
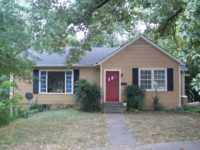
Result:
x=59 y=59
x=96 y=56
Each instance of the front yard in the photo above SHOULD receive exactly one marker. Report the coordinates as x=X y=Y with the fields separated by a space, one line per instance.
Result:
x=156 y=127
x=64 y=129
x=72 y=130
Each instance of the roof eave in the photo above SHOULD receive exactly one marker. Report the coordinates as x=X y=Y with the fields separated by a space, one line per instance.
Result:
x=61 y=66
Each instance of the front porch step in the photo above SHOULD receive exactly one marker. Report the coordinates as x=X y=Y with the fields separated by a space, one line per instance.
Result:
x=113 y=108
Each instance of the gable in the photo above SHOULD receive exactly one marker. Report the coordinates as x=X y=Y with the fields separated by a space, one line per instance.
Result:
x=142 y=54
x=139 y=42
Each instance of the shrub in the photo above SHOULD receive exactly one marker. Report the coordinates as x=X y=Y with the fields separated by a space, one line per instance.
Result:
x=8 y=110
x=135 y=97
x=156 y=104
x=22 y=112
x=88 y=96
x=5 y=86
x=8 y=106
x=39 y=107
x=193 y=109
x=4 y=112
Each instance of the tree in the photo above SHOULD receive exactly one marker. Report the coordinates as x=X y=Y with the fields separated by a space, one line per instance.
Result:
x=14 y=38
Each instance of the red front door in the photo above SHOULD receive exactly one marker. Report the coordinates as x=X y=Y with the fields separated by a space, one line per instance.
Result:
x=112 y=86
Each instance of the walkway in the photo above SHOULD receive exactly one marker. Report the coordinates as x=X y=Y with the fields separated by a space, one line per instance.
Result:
x=117 y=131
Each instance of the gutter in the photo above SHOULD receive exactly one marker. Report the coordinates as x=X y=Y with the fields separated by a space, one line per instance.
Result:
x=64 y=66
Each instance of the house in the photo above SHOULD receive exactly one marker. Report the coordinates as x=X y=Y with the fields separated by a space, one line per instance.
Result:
x=139 y=62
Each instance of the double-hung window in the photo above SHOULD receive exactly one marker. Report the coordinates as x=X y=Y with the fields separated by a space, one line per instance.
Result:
x=56 y=82
x=153 y=79
x=159 y=79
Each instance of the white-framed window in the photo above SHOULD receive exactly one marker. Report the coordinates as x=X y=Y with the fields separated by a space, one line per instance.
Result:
x=159 y=79
x=56 y=82
x=43 y=81
x=146 y=79
x=153 y=79
x=69 y=82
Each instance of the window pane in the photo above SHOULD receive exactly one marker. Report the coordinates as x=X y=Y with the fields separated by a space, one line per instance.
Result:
x=145 y=79
x=159 y=74
x=145 y=74
x=146 y=84
x=69 y=81
x=159 y=79
x=56 y=82
x=159 y=84
x=43 y=81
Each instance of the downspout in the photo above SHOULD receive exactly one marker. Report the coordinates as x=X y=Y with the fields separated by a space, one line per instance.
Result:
x=11 y=93
x=180 y=85
x=102 y=99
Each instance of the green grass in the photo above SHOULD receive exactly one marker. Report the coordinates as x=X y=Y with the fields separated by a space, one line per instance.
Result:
x=193 y=109
x=64 y=128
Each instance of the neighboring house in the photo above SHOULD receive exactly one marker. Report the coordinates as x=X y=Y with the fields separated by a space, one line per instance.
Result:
x=139 y=62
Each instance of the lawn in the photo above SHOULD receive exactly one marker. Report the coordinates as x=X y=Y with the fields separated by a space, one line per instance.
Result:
x=64 y=129
x=155 y=127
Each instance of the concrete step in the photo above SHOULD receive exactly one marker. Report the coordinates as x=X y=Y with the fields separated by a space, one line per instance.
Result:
x=113 y=108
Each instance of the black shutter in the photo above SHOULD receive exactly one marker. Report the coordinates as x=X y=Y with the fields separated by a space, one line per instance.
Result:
x=135 y=76
x=170 y=79
x=76 y=75
x=35 y=81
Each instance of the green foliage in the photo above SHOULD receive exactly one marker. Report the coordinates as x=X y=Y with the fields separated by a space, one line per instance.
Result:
x=8 y=110
x=135 y=97
x=196 y=83
x=5 y=86
x=194 y=109
x=39 y=107
x=156 y=104
x=14 y=38
x=193 y=61
x=88 y=95
x=186 y=109
x=8 y=106
x=4 y=112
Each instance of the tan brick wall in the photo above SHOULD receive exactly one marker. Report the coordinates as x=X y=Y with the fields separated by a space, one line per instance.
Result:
x=90 y=74
x=142 y=55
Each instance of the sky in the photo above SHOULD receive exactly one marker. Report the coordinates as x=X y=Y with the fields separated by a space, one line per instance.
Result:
x=140 y=27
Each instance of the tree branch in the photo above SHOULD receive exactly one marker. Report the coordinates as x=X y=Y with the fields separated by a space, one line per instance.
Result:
x=163 y=27
x=99 y=5
x=90 y=10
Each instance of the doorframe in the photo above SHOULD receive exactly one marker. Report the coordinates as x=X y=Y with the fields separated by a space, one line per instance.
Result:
x=106 y=70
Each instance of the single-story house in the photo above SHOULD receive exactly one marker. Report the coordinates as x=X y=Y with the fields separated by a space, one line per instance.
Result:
x=139 y=62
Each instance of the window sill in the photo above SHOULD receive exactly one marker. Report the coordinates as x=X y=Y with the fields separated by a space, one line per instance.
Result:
x=152 y=90
x=56 y=94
